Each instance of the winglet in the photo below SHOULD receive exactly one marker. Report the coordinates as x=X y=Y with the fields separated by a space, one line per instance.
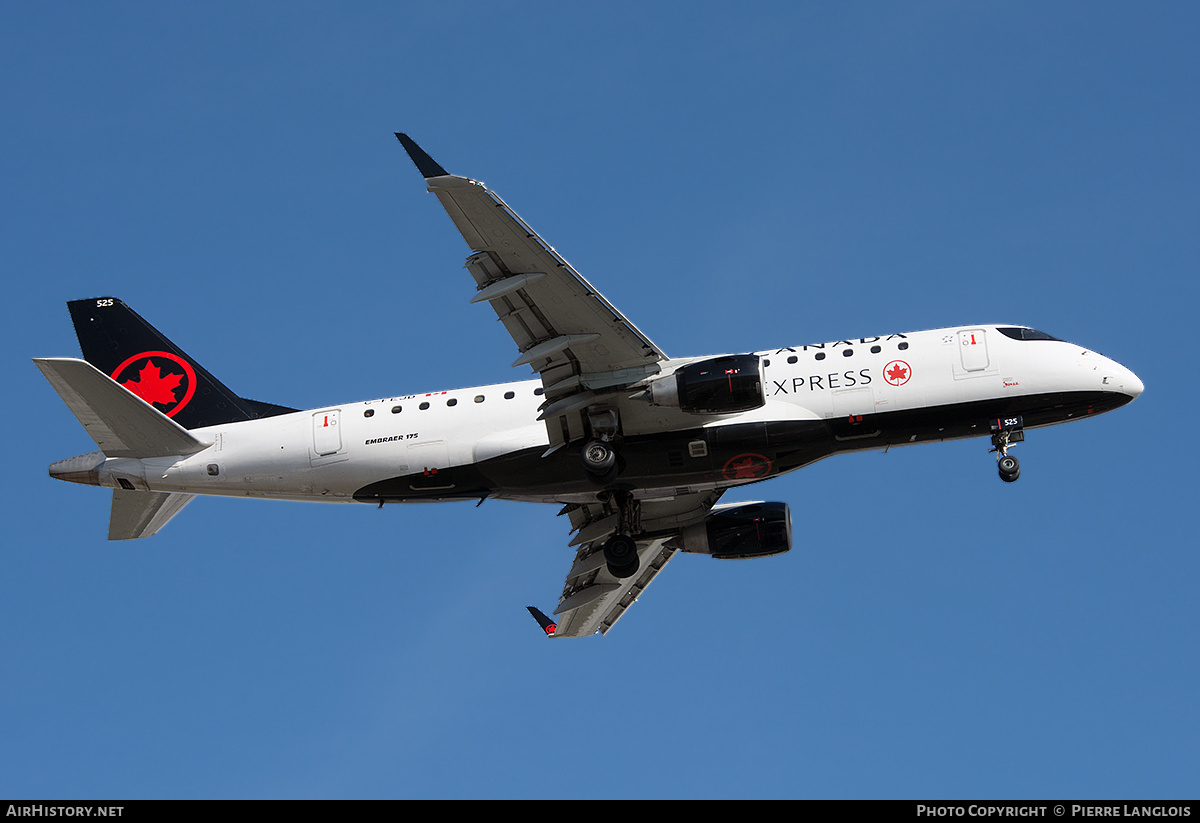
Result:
x=548 y=625
x=425 y=164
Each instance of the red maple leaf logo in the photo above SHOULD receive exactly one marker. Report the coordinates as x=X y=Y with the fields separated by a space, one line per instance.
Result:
x=897 y=373
x=153 y=386
x=746 y=467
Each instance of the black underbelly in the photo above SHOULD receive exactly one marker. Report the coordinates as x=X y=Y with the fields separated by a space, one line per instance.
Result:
x=732 y=454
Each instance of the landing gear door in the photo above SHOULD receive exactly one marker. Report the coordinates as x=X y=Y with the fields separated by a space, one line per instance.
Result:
x=972 y=347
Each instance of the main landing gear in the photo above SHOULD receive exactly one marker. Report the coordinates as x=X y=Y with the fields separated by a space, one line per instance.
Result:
x=620 y=554
x=1007 y=431
x=600 y=461
x=620 y=550
x=599 y=455
x=602 y=464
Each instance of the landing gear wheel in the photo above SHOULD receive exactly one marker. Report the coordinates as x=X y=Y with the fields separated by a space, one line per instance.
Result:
x=600 y=462
x=1010 y=469
x=620 y=552
x=1007 y=431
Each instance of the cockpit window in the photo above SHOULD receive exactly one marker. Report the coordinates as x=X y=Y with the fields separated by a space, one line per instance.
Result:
x=1017 y=333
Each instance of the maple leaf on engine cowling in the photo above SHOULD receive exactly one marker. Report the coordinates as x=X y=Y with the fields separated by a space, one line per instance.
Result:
x=153 y=387
x=897 y=372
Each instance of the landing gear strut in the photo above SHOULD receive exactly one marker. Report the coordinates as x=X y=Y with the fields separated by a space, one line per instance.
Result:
x=599 y=455
x=1007 y=431
x=620 y=550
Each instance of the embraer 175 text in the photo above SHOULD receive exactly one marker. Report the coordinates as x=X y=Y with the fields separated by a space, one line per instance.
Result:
x=637 y=447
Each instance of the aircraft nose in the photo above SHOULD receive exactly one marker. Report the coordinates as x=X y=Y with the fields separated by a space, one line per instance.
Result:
x=1132 y=386
x=1125 y=381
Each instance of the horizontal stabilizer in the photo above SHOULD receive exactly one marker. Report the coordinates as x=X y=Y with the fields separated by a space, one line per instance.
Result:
x=141 y=514
x=122 y=424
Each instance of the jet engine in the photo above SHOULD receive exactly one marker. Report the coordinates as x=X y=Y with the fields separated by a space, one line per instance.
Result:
x=719 y=385
x=741 y=530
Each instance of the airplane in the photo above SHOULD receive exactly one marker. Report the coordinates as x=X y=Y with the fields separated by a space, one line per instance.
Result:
x=635 y=446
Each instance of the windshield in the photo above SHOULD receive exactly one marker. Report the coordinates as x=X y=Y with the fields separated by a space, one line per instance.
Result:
x=1020 y=333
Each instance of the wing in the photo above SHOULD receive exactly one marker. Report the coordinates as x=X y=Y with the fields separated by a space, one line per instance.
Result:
x=593 y=599
x=581 y=345
x=586 y=351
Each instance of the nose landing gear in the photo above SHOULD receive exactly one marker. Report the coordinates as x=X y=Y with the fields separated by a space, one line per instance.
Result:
x=1007 y=431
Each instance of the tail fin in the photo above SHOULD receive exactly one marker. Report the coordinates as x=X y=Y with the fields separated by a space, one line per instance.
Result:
x=118 y=342
x=122 y=426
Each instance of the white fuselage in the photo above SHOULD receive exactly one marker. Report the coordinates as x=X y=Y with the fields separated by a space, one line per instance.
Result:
x=870 y=392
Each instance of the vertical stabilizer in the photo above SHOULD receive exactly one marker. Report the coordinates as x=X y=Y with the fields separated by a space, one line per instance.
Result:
x=118 y=342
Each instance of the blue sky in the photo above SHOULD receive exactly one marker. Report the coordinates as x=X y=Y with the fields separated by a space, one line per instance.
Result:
x=732 y=176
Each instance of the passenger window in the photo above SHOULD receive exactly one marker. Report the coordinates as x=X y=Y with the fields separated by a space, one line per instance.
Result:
x=423 y=406
x=452 y=402
x=479 y=398
x=369 y=413
x=509 y=395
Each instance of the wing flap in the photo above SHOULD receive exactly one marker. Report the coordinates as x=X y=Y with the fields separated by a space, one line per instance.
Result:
x=593 y=600
x=551 y=298
x=563 y=327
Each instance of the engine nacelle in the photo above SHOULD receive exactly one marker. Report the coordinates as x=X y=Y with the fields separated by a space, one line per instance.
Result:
x=741 y=530
x=719 y=385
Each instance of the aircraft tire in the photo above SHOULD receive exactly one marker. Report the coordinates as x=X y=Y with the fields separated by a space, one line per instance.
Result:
x=1009 y=468
x=600 y=462
x=620 y=553
x=598 y=457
